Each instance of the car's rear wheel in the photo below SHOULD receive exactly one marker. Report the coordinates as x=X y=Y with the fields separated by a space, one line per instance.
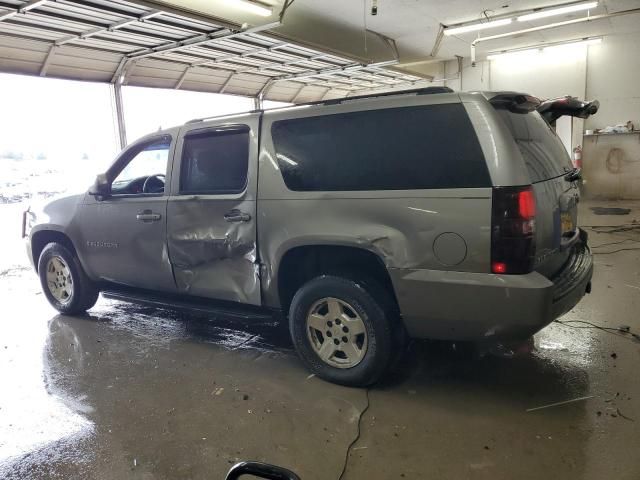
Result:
x=341 y=332
x=64 y=282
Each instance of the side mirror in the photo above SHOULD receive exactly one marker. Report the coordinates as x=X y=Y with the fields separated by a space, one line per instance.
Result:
x=101 y=188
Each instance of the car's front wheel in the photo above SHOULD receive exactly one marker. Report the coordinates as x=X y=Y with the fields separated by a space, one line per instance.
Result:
x=64 y=282
x=342 y=333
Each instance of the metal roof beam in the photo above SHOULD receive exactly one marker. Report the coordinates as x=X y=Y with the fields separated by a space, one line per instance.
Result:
x=326 y=92
x=297 y=57
x=95 y=27
x=102 y=8
x=245 y=54
x=326 y=83
x=109 y=28
x=261 y=69
x=347 y=68
x=124 y=68
x=217 y=35
x=47 y=61
x=119 y=68
x=344 y=78
x=184 y=15
x=179 y=38
x=353 y=81
x=401 y=86
x=72 y=35
x=24 y=8
x=273 y=65
x=297 y=94
x=182 y=77
x=349 y=81
x=226 y=83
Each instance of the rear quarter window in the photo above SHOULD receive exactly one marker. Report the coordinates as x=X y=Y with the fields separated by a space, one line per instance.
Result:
x=425 y=147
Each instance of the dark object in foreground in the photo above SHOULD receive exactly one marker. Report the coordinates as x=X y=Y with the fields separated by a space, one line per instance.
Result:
x=260 y=470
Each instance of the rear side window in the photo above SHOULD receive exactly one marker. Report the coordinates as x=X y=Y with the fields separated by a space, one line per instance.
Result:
x=542 y=150
x=215 y=161
x=405 y=148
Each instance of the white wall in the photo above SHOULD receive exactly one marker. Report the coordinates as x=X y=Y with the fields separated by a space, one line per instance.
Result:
x=613 y=77
x=608 y=72
x=548 y=74
x=545 y=75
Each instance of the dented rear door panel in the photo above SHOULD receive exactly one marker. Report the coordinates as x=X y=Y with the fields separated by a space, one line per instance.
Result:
x=440 y=230
x=212 y=237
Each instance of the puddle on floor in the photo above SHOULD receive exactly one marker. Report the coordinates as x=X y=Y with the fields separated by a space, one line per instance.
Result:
x=610 y=210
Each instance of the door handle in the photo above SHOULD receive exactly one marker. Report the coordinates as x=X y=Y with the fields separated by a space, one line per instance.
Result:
x=148 y=216
x=237 y=216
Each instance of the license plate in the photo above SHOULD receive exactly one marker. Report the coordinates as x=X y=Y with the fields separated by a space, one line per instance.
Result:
x=566 y=219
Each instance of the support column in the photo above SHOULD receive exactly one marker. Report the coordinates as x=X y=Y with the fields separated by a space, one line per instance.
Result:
x=258 y=100
x=117 y=98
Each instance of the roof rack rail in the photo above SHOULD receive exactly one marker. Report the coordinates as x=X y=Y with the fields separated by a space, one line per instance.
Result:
x=335 y=101
x=213 y=117
x=416 y=91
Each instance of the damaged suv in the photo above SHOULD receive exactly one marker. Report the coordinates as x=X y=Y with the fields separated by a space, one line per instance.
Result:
x=366 y=220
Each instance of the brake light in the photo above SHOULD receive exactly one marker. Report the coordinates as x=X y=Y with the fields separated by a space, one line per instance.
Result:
x=526 y=204
x=499 y=267
x=513 y=230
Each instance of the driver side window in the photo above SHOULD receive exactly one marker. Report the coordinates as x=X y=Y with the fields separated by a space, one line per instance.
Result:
x=145 y=171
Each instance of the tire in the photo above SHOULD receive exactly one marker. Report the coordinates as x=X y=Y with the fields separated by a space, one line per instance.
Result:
x=78 y=293
x=358 y=359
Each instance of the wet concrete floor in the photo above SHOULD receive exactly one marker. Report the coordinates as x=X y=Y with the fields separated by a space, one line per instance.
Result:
x=142 y=393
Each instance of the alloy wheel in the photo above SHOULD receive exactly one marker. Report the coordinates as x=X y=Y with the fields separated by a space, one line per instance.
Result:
x=59 y=280
x=336 y=332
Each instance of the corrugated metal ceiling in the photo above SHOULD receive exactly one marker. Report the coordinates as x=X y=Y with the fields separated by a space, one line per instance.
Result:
x=107 y=40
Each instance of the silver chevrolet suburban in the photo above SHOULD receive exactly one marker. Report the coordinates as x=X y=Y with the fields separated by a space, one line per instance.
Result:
x=364 y=220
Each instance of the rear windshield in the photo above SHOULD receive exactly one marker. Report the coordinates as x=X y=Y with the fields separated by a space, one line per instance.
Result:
x=407 y=148
x=542 y=150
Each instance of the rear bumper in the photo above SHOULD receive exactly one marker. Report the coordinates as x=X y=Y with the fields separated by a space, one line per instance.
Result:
x=484 y=307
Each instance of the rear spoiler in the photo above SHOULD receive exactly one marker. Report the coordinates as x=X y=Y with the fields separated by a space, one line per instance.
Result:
x=554 y=108
x=515 y=102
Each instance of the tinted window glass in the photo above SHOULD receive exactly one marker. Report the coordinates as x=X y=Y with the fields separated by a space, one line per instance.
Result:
x=215 y=161
x=542 y=150
x=406 y=148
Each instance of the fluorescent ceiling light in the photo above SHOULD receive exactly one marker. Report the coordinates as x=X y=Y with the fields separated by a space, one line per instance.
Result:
x=576 y=7
x=252 y=7
x=473 y=27
x=544 y=13
x=587 y=41
x=544 y=48
x=514 y=53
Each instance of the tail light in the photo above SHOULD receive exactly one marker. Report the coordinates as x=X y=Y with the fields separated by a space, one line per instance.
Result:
x=513 y=224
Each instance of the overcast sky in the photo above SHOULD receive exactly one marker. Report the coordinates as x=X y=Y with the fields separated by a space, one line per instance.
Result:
x=63 y=118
